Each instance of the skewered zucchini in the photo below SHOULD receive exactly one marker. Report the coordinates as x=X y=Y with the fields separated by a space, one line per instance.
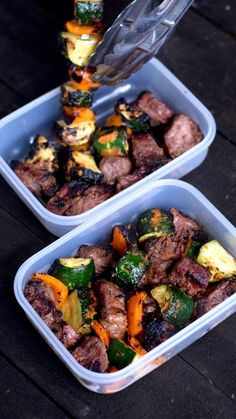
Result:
x=79 y=132
x=176 y=306
x=82 y=165
x=111 y=142
x=131 y=267
x=74 y=272
x=124 y=237
x=120 y=354
x=43 y=152
x=217 y=260
x=155 y=223
x=87 y=12
x=79 y=48
x=135 y=119
x=74 y=97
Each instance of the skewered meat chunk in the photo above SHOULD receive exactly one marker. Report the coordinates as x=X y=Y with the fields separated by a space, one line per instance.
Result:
x=102 y=256
x=36 y=178
x=189 y=276
x=114 y=167
x=158 y=111
x=184 y=226
x=91 y=354
x=162 y=253
x=42 y=299
x=145 y=150
x=215 y=296
x=91 y=197
x=62 y=201
x=129 y=180
x=113 y=313
x=182 y=135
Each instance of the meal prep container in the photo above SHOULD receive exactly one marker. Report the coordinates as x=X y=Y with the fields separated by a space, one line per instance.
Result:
x=164 y=194
x=18 y=130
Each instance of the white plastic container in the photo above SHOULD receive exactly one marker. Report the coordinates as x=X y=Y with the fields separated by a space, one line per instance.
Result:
x=164 y=194
x=19 y=128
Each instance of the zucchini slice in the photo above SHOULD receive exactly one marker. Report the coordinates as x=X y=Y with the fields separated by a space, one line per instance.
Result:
x=79 y=48
x=82 y=165
x=124 y=237
x=217 y=260
x=71 y=311
x=176 y=306
x=111 y=141
x=76 y=134
x=155 y=223
x=43 y=152
x=135 y=119
x=87 y=12
x=74 y=272
x=131 y=267
x=74 y=97
x=120 y=355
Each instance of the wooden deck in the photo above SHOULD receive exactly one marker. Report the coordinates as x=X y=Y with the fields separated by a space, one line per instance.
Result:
x=201 y=381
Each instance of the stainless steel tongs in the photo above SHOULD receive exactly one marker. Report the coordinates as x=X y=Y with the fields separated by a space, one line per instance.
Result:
x=135 y=37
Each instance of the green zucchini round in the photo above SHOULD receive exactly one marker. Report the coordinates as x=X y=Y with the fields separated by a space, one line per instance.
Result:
x=74 y=272
x=88 y=12
x=131 y=267
x=111 y=141
x=133 y=118
x=155 y=223
x=120 y=355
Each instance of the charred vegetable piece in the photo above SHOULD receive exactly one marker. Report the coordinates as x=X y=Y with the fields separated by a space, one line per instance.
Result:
x=120 y=355
x=71 y=311
x=217 y=260
x=60 y=290
x=79 y=48
x=116 y=121
x=111 y=142
x=192 y=249
x=74 y=272
x=87 y=12
x=135 y=313
x=74 y=27
x=74 y=97
x=131 y=267
x=101 y=333
x=136 y=346
x=135 y=119
x=124 y=237
x=176 y=306
x=155 y=223
x=88 y=309
x=78 y=133
x=82 y=79
x=83 y=165
x=43 y=152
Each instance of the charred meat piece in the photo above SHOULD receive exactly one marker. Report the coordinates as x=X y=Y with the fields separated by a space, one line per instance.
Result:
x=189 y=276
x=185 y=226
x=182 y=135
x=113 y=314
x=114 y=167
x=145 y=150
x=162 y=253
x=41 y=297
x=63 y=200
x=36 y=178
x=156 y=331
x=102 y=256
x=91 y=354
x=92 y=197
x=126 y=181
x=158 y=111
x=43 y=153
x=214 y=296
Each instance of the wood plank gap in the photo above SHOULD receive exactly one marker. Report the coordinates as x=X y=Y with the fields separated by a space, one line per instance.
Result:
x=213 y=22
x=226 y=137
x=13 y=90
x=38 y=387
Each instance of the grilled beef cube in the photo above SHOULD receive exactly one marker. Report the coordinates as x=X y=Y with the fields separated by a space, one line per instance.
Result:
x=185 y=227
x=113 y=313
x=114 y=167
x=156 y=331
x=91 y=354
x=43 y=153
x=61 y=203
x=158 y=111
x=42 y=299
x=182 y=135
x=129 y=180
x=36 y=178
x=92 y=197
x=102 y=256
x=162 y=253
x=189 y=276
x=145 y=150
x=214 y=296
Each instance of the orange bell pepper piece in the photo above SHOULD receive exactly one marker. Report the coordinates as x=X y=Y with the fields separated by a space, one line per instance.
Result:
x=135 y=313
x=116 y=121
x=84 y=114
x=60 y=290
x=118 y=241
x=73 y=27
x=101 y=333
x=136 y=346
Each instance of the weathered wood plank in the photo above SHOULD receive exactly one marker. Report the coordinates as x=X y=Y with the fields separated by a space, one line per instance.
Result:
x=10 y=101
x=222 y=13
x=20 y=399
